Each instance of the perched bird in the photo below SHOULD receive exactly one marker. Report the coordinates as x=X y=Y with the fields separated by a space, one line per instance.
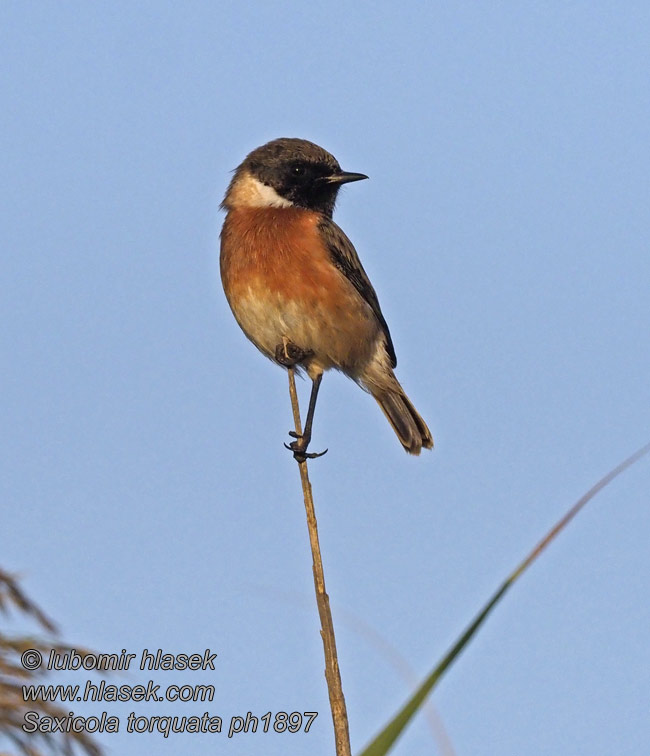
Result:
x=296 y=286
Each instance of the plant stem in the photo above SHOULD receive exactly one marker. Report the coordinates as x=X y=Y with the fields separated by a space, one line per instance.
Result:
x=332 y=673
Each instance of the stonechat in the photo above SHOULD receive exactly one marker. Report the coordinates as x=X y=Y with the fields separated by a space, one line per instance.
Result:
x=296 y=286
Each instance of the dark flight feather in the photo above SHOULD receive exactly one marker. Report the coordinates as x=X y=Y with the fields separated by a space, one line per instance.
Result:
x=345 y=258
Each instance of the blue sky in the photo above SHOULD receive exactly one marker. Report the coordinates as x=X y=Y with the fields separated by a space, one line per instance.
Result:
x=147 y=498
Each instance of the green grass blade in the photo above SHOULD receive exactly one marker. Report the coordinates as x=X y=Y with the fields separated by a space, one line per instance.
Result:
x=384 y=741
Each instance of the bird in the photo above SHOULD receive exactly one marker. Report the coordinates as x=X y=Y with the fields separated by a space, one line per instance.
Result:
x=296 y=286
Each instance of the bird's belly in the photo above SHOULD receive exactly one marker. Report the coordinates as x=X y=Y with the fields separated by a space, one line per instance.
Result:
x=340 y=335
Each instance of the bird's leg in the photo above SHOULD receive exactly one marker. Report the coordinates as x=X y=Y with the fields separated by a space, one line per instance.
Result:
x=299 y=446
x=289 y=355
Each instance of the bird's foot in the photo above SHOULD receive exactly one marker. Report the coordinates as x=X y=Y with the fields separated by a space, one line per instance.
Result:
x=289 y=354
x=299 y=448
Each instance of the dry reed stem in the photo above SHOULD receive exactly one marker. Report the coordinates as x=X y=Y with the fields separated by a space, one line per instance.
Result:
x=332 y=672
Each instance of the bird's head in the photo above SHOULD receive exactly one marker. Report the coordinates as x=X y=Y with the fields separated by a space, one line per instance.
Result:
x=288 y=173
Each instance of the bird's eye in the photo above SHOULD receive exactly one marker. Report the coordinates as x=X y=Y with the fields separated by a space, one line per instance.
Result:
x=298 y=170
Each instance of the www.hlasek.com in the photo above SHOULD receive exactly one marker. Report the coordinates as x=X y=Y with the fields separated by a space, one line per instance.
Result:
x=41 y=723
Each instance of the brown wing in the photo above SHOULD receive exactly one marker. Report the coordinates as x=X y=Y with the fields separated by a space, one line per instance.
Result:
x=345 y=258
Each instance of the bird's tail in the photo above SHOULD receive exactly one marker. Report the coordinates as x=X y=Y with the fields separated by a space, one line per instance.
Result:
x=410 y=428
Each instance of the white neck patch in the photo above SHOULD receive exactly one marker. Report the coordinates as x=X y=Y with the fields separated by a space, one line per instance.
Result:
x=249 y=192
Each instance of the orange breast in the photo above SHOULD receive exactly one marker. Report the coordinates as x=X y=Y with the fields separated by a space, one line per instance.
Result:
x=278 y=250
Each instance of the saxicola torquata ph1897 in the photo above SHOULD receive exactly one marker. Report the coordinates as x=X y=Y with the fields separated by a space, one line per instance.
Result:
x=296 y=285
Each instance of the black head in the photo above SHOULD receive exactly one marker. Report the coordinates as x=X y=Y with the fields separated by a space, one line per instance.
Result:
x=299 y=172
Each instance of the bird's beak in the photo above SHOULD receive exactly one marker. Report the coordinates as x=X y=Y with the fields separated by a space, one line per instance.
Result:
x=344 y=177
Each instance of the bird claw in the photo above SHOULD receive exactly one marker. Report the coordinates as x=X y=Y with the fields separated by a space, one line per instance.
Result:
x=299 y=449
x=289 y=354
